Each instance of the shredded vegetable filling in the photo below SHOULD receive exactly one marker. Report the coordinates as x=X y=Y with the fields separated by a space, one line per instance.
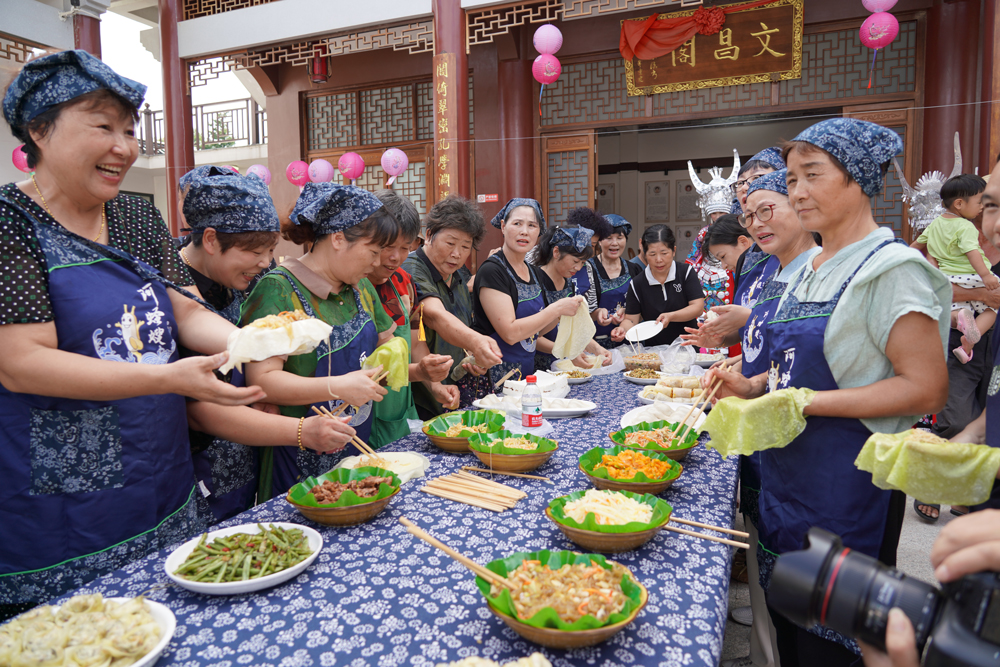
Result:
x=572 y=591
x=628 y=464
x=453 y=431
x=660 y=437
x=520 y=443
x=609 y=508
x=282 y=319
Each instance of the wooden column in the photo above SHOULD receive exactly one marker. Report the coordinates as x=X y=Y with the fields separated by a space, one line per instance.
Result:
x=517 y=129
x=989 y=113
x=451 y=102
x=177 y=123
x=87 y=34
x=950 y=88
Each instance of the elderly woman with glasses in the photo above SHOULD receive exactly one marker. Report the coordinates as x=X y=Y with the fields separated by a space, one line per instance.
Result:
x=864 y=324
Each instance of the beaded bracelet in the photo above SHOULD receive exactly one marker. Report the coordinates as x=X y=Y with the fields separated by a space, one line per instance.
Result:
x=301 y=420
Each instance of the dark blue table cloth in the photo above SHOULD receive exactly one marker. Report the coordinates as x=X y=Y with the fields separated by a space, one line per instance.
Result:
x=378 y=596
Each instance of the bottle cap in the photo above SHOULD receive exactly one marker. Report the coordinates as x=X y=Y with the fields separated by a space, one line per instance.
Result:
x=530 y=378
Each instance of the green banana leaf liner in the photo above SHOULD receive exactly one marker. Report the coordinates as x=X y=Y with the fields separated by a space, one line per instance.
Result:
x=440 y=425
x=661 y=513
x=690 y=439
x=299 y=494
x=592 y=458
x=483 y=442
x=547 y=617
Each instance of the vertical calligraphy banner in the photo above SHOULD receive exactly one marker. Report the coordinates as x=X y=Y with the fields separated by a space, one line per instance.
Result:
x=445 y=167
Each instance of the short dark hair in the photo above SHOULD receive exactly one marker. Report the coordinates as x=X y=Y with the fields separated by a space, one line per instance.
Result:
x=726 y=230
x=962 y=186
x=755 y=164
x=543 y=251
x=592 y=220
x=45 y=122
x=459 y=214
x=242 y=240
x=403 y=210
x=658 y=234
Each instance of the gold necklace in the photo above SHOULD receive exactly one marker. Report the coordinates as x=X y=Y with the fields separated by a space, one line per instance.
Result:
x=185 y=258
x=104 y=217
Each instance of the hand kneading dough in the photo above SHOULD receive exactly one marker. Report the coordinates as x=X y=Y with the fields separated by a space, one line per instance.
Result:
x=254 y=343
x=574 y=334
x=929 y=468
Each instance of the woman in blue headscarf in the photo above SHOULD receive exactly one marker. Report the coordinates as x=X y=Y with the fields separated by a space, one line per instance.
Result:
x=95 y=470
x=508 y=301
x=863 y=323
x=613 y=276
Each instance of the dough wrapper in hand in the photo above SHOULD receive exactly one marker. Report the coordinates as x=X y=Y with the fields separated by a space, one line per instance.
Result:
x=744 y=426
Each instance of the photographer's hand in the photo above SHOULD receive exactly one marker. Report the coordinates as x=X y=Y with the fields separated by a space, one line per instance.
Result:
x=900 y=644
x=966 y=545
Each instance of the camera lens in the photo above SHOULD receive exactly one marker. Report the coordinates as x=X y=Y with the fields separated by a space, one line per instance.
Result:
x=852 y=593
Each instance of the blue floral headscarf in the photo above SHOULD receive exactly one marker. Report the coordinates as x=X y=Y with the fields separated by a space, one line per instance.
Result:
x=498 y=219
x=619 y=224
x=774 y=181
x=736 y=209
x=333 y=208
x=201 y=172
x=577 y=238
x=770 y=156
x=860 y=146
x=58 y=78
x=229 y=203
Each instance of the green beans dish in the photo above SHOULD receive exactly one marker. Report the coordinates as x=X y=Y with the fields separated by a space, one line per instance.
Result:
x=245 y=556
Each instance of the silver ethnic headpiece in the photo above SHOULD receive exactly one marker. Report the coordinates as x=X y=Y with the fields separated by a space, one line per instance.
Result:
x=925 y=199
x=716 y=195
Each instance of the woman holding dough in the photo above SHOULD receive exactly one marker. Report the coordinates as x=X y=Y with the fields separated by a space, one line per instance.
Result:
x=508 y=299
x=559 y=256
x=345 y=229
x=863 y=324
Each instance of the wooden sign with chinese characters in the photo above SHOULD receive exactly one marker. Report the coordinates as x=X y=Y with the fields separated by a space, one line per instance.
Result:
x=445 y=166
x=754 y=45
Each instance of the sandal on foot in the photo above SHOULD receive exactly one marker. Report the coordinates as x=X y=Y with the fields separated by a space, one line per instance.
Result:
x=965 y=320
x=930 y=517
x=962 y=355
x=959 y=510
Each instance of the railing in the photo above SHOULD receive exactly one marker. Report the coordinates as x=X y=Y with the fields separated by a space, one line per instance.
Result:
x=216 y=125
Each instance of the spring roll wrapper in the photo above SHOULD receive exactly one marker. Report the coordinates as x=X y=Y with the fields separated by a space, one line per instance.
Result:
x=742 y=426
x=929 y=468
x=255 y=344
x=393 y=356
x=574 y=334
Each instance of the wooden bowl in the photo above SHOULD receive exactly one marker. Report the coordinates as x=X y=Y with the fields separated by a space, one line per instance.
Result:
x=552 y=638
x=344 y=516
x=655 y=488
x=675 y=454
x=454 y=445
x=606 y=543
x=514 y=462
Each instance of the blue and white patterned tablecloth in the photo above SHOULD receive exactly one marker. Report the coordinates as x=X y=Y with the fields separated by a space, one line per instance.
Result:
x=378 y=596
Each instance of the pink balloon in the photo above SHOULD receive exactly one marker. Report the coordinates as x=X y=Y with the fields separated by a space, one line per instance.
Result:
x=20 y=159
x=394 y=162
x=548 y=39
x=351 y=165
x=879 y=30
x=297 y=173
x=321 y=171
x=261 y=172
x=878 y=5
x=546 y=68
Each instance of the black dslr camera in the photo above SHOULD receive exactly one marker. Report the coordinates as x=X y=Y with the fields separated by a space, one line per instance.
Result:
x=852 y=593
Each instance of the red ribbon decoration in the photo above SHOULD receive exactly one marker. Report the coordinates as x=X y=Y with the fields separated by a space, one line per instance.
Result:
x=656 y=37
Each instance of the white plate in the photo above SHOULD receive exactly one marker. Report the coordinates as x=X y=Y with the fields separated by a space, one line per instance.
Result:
x=635 y=415
x=180 y=554
x=707 y=363
x=642 y=381
x=547 y=414
x=579 y=380
x=643 y=331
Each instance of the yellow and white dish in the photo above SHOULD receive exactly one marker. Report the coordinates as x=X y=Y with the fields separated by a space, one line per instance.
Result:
x=406 y=465
x=660 y=410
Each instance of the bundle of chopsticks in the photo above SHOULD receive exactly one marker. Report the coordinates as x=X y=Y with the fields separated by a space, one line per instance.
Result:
x=488 y=575
x=373 y=458
x=464 y=487
x=711 y=538
x=683 y=426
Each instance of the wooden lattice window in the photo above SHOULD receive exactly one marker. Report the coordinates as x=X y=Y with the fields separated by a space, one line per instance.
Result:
x=570 y=164
x=195 y=8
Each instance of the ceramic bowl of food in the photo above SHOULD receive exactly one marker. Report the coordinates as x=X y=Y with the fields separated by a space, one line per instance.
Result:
x=344 y=496
x=608 y=521
x=623 y=469
x=512 y=452
x=657 y=437
x=450 y=432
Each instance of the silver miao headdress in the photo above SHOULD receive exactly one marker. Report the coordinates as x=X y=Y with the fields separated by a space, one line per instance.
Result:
x=716 y=195
x=925 y=199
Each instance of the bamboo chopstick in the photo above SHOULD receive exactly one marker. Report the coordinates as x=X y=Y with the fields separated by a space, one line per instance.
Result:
x=701 y=410
x=488 y=575
x=488 y=482
x=475 y=491
x=512 y=474
x=365 y=448
x=476 y=485
x=467 y=500
x=506 y=377
x=710 y=538
x=720 y=529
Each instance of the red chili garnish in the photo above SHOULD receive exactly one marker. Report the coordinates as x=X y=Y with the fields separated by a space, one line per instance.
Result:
x=225 y=548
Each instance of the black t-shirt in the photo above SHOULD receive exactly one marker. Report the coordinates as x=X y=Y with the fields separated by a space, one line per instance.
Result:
x=493 y=274
x=652 y=300
x=739 y=269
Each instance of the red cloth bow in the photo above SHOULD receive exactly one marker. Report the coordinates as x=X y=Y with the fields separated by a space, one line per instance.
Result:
x=654 y=37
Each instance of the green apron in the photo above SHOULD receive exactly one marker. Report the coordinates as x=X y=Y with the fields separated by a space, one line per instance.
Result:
x=396 y=406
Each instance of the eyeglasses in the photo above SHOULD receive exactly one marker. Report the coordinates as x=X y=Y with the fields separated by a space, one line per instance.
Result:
x=764 y=213
x=746 y=181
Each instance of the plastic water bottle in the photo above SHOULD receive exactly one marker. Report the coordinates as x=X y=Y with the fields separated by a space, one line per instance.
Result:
x=531 y=404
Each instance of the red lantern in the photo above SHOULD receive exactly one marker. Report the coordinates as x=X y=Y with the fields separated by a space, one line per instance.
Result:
x=319 y=69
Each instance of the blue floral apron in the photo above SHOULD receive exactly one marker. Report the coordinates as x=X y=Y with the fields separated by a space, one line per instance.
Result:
x=350 y=344
x=993 y=418
x=758 y=266
x=544 y=361
x=813 y=481
x=613 y=292
x=530 y=300
x=88 y=486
